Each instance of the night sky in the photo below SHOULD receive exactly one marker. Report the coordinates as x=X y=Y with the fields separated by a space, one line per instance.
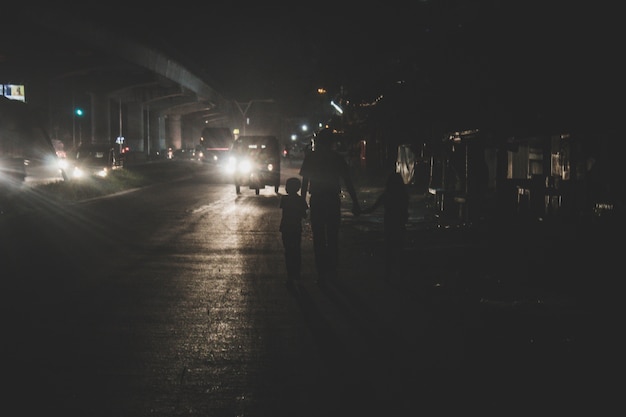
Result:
x=528 y=51
x=535 y=51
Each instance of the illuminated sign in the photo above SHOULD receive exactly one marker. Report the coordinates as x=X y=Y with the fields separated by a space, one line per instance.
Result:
x=13 y=91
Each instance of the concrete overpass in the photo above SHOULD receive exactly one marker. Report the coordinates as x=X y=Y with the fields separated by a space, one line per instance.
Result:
x=129 y=89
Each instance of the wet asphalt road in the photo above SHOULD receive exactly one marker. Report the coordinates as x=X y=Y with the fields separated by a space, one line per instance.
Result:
x=170 y=301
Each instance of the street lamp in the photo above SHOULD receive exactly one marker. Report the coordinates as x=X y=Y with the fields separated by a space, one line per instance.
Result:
x=244 y=110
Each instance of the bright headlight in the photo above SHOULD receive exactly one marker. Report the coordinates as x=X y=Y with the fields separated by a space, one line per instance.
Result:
x=245 y=166
x=78 y=173
x=62 y=163
x=231 y=165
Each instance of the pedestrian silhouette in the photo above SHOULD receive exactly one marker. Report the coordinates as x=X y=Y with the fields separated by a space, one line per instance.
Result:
x=294 y=209
x=395 y=200
x=323 y=170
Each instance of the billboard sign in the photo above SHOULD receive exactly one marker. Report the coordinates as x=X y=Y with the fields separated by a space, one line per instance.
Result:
x=13 y=91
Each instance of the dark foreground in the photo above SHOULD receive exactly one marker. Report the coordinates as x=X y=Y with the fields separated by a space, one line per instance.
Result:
x=515 y=317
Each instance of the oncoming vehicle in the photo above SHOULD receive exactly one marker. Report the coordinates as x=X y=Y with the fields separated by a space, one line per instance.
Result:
x=254 y=162
x=186 y=154
x=27 y=155
x=215 y=144
x=95 y=159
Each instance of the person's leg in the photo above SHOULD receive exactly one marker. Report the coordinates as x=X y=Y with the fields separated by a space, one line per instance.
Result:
x=390 y=259
x=394 y=245
x=318 y=229
x=289 y=256
x=297 y=255
x=333 y=222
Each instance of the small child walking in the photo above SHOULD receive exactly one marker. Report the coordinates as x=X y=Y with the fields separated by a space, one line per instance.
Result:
x=395 y=199
x=294 y=210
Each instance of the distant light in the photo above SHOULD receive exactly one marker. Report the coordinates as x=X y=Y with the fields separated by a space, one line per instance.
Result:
x=304 y=127
x=337 y=107
x=294 y=136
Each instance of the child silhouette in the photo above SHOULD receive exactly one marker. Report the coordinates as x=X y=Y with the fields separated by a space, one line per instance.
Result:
x=294 y=210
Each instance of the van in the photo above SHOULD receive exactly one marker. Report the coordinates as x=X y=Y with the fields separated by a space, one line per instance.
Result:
x=254 y=162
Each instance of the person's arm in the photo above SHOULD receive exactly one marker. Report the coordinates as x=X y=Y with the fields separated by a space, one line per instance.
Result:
x=304 y=168
x=305 y=187
x=305 y=208
x=347 y=178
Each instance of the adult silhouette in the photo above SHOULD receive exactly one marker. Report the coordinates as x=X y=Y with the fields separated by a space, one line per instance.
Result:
x=324 y=171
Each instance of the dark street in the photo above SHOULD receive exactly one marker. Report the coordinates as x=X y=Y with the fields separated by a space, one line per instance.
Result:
x=173 y=303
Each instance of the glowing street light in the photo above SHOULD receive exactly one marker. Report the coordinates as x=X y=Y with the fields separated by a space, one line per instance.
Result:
x=337 y=107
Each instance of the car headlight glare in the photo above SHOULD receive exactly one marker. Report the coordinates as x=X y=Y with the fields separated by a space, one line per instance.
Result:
x=245 y=166
x=231 y=165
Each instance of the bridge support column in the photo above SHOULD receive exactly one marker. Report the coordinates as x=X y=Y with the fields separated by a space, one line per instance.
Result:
x=134 y=129
x=174 y=130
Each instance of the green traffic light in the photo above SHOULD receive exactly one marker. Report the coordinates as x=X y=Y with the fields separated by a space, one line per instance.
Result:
x=78 y=112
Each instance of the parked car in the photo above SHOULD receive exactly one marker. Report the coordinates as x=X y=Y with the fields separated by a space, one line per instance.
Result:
x=254 y=162
x=95 y=159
